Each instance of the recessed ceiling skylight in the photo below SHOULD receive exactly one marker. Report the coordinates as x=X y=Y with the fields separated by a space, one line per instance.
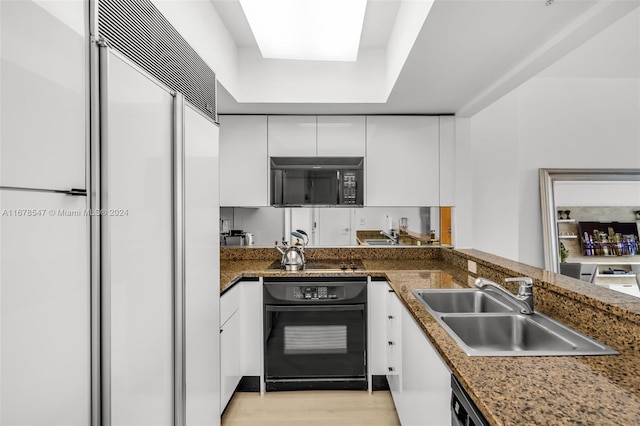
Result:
x=323 y=30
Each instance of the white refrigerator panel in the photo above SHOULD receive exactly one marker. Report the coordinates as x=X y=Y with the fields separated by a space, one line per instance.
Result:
x=138 y=246
x=202 y=270
x=44 y=309
x=43 y=107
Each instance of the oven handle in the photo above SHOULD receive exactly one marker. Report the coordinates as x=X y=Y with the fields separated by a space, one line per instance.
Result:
x=334 y=308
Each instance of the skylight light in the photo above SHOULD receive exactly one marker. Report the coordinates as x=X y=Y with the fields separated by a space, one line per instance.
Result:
x=322 y=30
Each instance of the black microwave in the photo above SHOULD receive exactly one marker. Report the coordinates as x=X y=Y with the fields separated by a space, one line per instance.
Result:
x=317 y=181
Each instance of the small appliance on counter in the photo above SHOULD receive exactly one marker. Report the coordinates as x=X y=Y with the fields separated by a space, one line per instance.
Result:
x=235 y=237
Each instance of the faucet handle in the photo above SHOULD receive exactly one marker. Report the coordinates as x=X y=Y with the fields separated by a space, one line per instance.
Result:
x=526 y=284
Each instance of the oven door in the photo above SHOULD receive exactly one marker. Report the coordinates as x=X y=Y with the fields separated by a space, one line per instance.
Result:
x=315 y=343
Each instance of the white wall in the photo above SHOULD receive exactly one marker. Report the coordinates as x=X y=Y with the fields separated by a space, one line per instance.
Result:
x=582 y=112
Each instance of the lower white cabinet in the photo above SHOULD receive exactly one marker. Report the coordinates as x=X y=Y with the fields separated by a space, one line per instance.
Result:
x=377 y=326
x=229 y=358
x=240 y=336
x=230 y=348
x=420 y=382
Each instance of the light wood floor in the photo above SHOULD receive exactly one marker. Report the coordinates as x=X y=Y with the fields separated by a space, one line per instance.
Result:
x=311 y=408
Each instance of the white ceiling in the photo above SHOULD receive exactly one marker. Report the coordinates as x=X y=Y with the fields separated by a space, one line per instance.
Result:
x=467 y=55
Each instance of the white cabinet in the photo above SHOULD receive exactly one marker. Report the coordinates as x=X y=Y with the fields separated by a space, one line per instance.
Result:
x=251 y=328
x=230 y=373
x=447 y=161
x=244 y=166
x=43 y=107
x=393 y=345
x=44 y=310
x=316 y=136
x=292 y=136
x=418 y=378
x=426 y=380
x=240 y=336
x=377 y=326
x=341 y=135
x=402 y=163
x=230 y=346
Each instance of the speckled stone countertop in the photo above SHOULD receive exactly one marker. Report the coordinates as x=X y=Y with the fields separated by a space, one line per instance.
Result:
x=589 y=390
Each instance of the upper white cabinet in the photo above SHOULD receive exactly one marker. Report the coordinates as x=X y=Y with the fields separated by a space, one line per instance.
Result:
x=244 y=164
x=341 y=135
x=44 y=94
x=292 y=136
x=321 y=136
x=402 y=165
x=447 y=161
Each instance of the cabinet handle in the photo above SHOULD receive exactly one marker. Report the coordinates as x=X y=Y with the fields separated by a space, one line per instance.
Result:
x=391 y=343
x=221 y=330
x=392 y=369
x=391 y=291
x=390 y=317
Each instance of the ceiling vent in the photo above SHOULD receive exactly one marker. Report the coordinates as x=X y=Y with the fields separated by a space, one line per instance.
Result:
x=138 y=30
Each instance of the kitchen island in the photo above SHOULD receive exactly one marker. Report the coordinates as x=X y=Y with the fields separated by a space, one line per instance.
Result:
x=594 y=390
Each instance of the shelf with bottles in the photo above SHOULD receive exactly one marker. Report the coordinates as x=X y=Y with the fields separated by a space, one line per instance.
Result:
x=625 y=247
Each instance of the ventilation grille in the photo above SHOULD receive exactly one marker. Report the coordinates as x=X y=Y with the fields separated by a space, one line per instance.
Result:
x=138 y=30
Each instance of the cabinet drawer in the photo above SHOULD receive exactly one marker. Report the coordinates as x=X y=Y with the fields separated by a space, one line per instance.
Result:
x=229 y=303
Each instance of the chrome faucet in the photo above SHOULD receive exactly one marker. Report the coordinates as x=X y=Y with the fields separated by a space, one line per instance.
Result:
x=393 y=236
x=524 y=298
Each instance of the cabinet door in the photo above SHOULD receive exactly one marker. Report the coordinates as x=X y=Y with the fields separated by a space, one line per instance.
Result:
x=394 y=354
x=43 y=108
x=377 y=306
x=426 y=379
x=447 y=161
x=230 y=374
x=251 y=341
x=229 y=303
x=341 y=136
x=292 y=136
x=402 y=161
x=244 y=164
x=44 y=310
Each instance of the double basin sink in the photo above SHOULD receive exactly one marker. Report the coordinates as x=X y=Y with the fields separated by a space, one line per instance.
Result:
x=484 y=322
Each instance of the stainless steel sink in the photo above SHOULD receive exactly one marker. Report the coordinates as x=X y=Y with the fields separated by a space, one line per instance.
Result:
x=463 y=301
x=380 y=242
x=485 y=323
x=524 y=335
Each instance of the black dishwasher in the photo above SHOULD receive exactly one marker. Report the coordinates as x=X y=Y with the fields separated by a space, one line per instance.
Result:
x=463 y=411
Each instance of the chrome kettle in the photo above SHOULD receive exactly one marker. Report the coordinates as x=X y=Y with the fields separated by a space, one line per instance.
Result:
x=293 y=256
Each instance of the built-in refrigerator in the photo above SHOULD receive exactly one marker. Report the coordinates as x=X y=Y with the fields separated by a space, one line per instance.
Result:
x=109 y=205
x=159 y=252
x=45 y=372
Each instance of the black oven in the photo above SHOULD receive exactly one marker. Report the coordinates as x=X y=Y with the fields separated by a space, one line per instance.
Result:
x=315 y=333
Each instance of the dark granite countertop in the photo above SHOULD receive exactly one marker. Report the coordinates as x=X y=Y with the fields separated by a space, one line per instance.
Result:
x=590 y=390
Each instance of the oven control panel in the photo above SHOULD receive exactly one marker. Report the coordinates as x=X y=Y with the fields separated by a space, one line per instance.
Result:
x=316 y=293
